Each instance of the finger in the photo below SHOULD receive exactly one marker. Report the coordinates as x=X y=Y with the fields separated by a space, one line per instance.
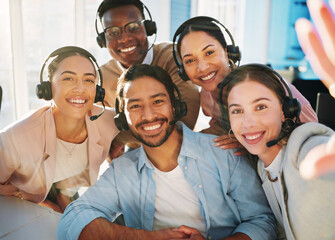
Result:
x=325 y=24
x=221 y=138
x=240 y=152
x=314 y=51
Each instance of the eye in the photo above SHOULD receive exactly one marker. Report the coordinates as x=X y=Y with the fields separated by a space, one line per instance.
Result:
x=261 y=107
x=89 y=80
x=135 y=106
x=188 y=61
x=67 y=79
x=133 y=27
x=209 y=52
x=236 y=111
x=158 y=101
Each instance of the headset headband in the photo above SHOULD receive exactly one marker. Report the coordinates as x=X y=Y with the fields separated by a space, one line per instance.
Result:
x=195 y=20
x=74 y=49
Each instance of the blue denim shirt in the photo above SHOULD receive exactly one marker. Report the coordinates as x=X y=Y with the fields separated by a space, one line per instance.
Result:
x=230 y=194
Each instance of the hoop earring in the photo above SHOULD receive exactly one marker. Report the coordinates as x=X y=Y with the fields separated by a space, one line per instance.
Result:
x=231 y=64
x=229 y=134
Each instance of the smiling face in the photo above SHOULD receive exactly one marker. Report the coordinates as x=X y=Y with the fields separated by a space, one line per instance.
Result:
x=128 y=47
x=205 y=60
x=148 y=110
x=73 y=87
x=255 y=118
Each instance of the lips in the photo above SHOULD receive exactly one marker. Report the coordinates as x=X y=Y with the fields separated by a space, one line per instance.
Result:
x=253 y=138
x=128 y=49
x=77 y=102
x=209 y=77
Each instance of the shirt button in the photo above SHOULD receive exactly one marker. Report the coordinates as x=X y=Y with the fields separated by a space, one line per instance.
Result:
x=200 y=186
x=185 y=167
x=180 y=159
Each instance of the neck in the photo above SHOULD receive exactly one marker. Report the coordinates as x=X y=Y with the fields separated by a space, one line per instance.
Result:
x=270 y=155
x=70 y=130
x=165 y=156
x=215 y=94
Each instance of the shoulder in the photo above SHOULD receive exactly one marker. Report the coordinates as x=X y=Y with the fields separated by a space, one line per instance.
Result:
x=106 y=120
x=306 y=137
x=31 y=121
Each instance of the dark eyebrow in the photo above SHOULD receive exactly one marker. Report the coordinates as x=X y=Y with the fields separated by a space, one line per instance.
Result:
x=209 y=45
x=70 y=72
x=153 y=96
x=255 y=101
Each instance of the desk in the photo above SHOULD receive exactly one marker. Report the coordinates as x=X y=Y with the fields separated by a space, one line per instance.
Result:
x=20 y=219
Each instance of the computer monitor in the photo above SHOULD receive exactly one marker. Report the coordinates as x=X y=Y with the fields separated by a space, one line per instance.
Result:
x=325 y=109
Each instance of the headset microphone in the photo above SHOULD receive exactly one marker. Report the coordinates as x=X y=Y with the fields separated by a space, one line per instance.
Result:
x=95 y=117
x=287 y=127
x=147 y=50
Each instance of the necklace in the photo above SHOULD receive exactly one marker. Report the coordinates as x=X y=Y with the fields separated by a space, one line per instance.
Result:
x=69 y=151
x=269 y=177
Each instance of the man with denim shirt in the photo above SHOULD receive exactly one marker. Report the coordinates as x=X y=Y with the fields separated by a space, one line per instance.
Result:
x=177 y=185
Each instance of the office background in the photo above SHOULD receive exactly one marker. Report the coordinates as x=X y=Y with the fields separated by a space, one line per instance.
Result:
x=32 y=29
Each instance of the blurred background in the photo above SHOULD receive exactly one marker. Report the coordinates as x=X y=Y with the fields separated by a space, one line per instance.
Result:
x=32 y=29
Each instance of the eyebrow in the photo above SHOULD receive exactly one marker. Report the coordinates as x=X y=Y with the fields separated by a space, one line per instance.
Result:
x=70 y=72
x=255 y=101
x=153 y=96
x=209 y=45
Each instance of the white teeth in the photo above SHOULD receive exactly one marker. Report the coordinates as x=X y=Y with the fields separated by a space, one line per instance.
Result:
x=253 y=136
x=79 y=101
x=125 y=50
x=208 y=76
x=151 y=127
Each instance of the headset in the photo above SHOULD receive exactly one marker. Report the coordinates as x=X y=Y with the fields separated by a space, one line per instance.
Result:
x=180 y=110
x=43 y=89
x=233 y=51
x=149 y=25
x=291 y=106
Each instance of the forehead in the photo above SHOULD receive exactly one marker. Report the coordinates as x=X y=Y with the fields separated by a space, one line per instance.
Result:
x=76 y=63
x=203 y=39
x=122 y=15
x=241 y=92
x=143 y=88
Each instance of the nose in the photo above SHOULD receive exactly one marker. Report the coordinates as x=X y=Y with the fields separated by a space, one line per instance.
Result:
x=202 y=65
x=148 y=113
x=79 y=86
x=124 y=36
x=249 y=120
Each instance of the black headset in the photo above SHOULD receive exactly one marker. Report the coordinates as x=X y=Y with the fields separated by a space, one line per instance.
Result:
x=180 y=110
x=291 y=106
x=233 y=51
x=149 y=25
x=43 y=89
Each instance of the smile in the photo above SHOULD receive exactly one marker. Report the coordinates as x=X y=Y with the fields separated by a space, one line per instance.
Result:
x=208 y=77
x=253 y=137
x=151 y=128
x=77 y=101
x=126 y=50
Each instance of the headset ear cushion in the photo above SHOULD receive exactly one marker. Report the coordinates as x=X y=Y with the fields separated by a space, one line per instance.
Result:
x=99 y=94
x=234 y=53
x=182 y=74
x=291 y=107
x=101 y=40
x=43 y=90
x=121 y=121
x=150 y=27
x=180 y=109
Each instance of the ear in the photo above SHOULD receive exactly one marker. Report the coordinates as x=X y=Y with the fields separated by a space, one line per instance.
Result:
x=282 y=114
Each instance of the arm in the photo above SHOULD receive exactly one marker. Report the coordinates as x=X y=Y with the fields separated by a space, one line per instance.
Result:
x=256 y=218
x=101 y=228
x=194 y=234
x=319 y=46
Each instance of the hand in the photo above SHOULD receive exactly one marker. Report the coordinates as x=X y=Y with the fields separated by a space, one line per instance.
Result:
x=8 y=189
x=228 y=142
x=49 y=204
x=319 y=47
x=319 y=161
x=319 y=44
x=168 y=233
x=192 y=233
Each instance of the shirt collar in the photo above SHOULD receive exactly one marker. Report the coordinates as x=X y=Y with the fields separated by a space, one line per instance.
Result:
x=147 y=60
x=188 y=148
